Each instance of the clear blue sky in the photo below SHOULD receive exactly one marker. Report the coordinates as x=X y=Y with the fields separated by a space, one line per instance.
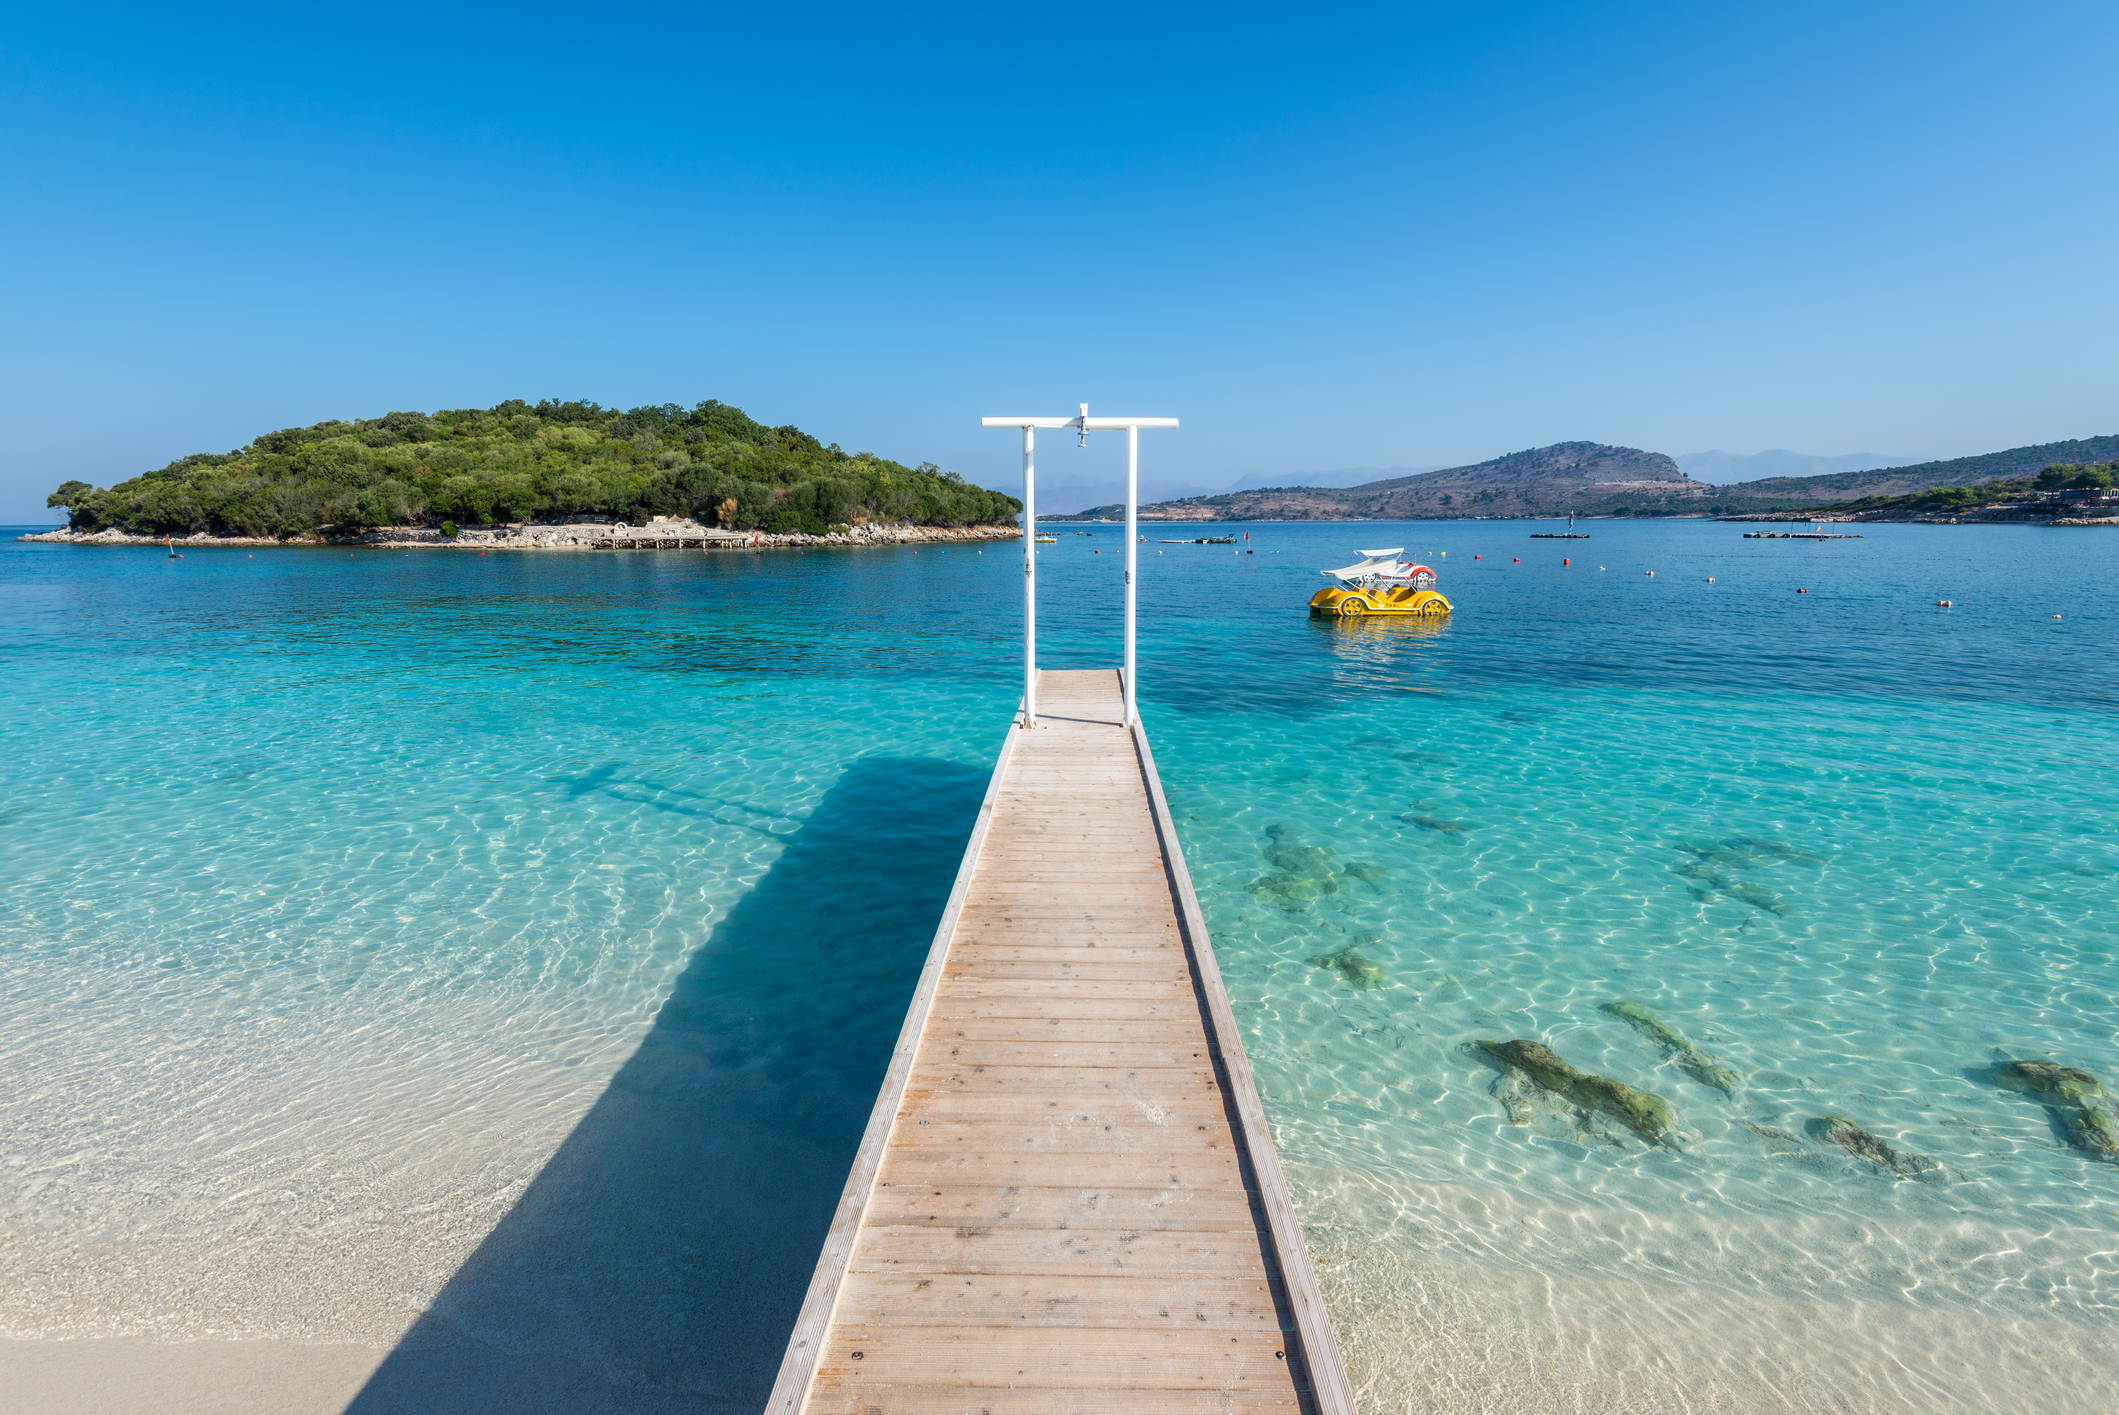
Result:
x=1325 y=236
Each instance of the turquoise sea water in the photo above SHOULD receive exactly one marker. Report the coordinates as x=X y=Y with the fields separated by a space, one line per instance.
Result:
x=492 y=958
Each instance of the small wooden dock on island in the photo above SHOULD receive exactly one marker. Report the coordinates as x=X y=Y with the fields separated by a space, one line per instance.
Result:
x=1067 y=1198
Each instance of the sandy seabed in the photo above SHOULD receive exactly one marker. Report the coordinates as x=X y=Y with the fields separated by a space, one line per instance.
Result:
x=1428 y=1337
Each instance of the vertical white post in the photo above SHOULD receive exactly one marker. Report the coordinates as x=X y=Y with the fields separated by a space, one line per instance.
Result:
x=1029 y=578
x=1132 y=544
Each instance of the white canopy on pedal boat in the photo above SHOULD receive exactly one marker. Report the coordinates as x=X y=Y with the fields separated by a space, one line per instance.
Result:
x=1379 y=562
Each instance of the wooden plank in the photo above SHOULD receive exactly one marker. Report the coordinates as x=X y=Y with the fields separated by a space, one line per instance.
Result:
x=1035 y=1357
x=1194 y=1110
x=1166 y=954
x=1107 y=1134
x=1150 y=1253
x=1071 y=1080
x=951 y=1008
x=1095 y=1300
x=1055 y=1053
x=1048 y=1206
x=967 y=984
x=1199 y=1169
x=1062 y=1030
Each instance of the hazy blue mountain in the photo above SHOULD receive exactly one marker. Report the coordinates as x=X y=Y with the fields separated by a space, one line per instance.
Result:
x=1719 y=468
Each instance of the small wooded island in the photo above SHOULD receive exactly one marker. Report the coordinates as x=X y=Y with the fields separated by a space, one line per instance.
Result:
x=528 y=462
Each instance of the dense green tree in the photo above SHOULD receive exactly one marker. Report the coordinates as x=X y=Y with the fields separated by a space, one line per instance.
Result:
x=521 y=461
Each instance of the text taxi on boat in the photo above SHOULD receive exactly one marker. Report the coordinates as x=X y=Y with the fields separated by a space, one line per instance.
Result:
x=1380 y=584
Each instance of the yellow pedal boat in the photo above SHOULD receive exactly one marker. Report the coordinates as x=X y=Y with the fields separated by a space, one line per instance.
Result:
x=1380 y=584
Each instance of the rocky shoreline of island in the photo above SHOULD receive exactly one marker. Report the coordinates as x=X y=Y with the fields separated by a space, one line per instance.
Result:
x=579 y=533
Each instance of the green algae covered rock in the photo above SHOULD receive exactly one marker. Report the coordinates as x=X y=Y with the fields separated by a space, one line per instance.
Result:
x=1303 y=873
x=1453 y=829
x=1286 y=852
x=2053 y=1082
x=1840 y=1131
x=1349 y=964
x=1690 y=1059
x=1646 y=1115
x=1365 y=872
x=2069 y=1095
x=1294 y=893
x=2093 y=1131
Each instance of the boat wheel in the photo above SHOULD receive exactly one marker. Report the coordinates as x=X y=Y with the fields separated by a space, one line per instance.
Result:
x=1352 y=606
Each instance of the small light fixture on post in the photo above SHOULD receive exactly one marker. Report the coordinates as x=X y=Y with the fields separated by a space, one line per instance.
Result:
x=1084 y=425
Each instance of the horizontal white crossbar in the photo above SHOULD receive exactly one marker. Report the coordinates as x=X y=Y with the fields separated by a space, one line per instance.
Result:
x=1087 y=424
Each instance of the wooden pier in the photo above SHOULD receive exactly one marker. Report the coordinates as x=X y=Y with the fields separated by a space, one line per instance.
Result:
x=1067 y=1198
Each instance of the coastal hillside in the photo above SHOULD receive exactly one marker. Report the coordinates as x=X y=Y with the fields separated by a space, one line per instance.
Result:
x=526 y=462
x=1544 y=481
x=1592 y=479
x=2061 y=491
x=2016 y=463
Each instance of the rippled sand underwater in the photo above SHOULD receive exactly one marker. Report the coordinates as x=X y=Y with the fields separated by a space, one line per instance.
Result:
x=396 y=947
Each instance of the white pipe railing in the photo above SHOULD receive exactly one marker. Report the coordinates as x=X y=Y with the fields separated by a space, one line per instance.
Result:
x=1029 y=576
x=1085 y=425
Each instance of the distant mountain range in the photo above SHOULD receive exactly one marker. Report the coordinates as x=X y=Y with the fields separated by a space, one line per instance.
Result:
x=1592 y=479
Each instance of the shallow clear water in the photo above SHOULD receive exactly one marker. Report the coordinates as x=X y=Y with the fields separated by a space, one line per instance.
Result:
x=414 y=932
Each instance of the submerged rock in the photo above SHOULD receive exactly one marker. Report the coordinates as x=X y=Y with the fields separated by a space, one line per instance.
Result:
x=1646 y=1115
x=2050 y=1080
x=1746 y=852
x=1286 y=852
x=1840 y=1131
x=2093 y=1131
x=1453 y=829
x=1349 y=964
x=1690 y=1059
x=1293 y=892
x=2069 y=1095
x=1305 y=872
x=1735 y=888
x=1366 y=872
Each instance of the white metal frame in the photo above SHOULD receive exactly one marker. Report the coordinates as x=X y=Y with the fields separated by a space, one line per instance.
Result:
x=1084 y=424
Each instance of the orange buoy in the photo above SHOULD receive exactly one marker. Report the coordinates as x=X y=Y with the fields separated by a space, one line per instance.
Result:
x=1567 y=562
x=1802 y=591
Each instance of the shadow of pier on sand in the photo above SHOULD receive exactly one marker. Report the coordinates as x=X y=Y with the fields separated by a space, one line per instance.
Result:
x=658 y=1260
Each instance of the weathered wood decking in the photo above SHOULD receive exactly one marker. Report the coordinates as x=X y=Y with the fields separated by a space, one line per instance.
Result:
x=1067 y=1198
